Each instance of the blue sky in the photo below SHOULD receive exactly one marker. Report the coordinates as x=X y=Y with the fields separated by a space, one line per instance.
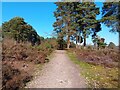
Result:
x=40 y=16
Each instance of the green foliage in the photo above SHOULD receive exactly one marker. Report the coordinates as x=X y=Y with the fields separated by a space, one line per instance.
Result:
x=18 y=29
x=48 y=45
x=87 y=12
x=95 y=40
x=61 y=43
x=64 y=20
x=75 y=19
x=101 y=44
x=98 y=42
x=111 y=15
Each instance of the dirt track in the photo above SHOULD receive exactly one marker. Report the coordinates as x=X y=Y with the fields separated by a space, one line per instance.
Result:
x=60 y=72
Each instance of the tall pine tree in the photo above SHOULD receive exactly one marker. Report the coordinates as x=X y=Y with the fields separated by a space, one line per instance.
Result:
x=87 y=18
x=76 y=20
x=63 y=24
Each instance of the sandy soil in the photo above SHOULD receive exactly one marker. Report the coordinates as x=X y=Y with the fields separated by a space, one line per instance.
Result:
x=60 y=72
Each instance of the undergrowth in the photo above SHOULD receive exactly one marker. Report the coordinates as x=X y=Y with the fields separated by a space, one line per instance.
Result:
x=97 y=76
x=24 y=60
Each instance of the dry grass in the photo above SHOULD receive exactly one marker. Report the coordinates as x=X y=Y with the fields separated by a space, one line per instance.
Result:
x=97 y=75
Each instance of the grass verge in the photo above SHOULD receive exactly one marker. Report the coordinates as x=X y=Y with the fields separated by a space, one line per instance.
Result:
x=96 y=76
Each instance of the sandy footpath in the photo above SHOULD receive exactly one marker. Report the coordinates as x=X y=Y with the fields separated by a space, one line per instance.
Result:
x=60 y=72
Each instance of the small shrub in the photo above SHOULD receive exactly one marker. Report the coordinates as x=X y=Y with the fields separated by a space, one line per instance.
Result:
x=89 y=47
x=111 y=45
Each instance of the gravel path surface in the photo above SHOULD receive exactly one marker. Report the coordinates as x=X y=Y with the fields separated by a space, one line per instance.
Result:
x=60 y=72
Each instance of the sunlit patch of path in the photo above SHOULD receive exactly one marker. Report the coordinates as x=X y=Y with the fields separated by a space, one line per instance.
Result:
x=60 y=72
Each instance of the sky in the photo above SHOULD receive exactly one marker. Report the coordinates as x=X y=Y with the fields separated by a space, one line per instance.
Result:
x=40 y=16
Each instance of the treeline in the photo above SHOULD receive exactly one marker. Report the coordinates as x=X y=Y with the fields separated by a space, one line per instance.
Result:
x=77 y=21
x=18 y=29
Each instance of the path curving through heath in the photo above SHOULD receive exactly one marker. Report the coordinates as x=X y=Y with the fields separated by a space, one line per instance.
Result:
x=60 y=72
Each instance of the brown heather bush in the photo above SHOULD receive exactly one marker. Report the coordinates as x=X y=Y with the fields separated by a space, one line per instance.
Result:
x=18 y=63
x=13 y=79
x=105 y=57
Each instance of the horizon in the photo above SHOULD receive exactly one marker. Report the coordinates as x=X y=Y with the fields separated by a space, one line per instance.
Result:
x=41 y=17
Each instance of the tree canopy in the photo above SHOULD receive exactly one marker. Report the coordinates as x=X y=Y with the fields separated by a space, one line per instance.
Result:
x=76 y=20
x=18 y=29
x=110 y=12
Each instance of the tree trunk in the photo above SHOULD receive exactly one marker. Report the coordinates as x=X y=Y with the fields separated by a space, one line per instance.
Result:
x=95 y=45
x=76 y=46
x=68 y=42
x=76 y=41
x=84 y=44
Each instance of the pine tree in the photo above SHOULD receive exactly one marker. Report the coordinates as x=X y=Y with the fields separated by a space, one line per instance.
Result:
x=87 y=18
x=110 y=12
x=76 y=20
x=18 y=29
x=63 y=24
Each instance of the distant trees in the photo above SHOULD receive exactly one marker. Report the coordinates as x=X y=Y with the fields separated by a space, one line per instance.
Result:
x=99 y=42
x=62 y=44
x=76 y=20
x=18 y=29
x=111 y=45
x=95 y=41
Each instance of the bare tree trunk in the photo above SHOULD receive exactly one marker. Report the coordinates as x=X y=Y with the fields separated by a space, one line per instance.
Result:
x=84 y=44
x=68 y=42
x=76 y=46
x=76 y=42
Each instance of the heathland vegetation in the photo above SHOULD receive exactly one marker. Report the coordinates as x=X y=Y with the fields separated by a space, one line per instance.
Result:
x=23 y=48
